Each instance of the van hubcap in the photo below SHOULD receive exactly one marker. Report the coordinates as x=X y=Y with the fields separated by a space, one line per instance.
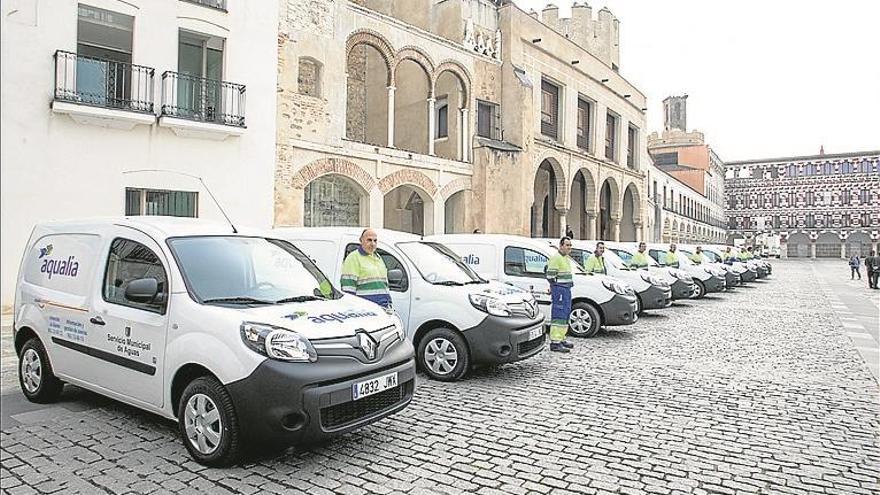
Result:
x=580 y=321
x=31 y=370
x=203 y=426
x=441 y=356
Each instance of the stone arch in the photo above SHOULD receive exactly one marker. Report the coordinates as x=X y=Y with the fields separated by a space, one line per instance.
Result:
x=560 y=175
x=408 y=176
x=377 y=41
x=631 y=213
x=609 y=208
x=326 y=166
x=459 y=71
x=582 y=200
x=418 y=56
x=456 y=186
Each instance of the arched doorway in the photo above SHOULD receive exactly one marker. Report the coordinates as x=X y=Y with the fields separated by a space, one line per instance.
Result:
x=334 y=200
x=413 y=88
x=366 y=109
x=582 y=214
x=828 y=245
x=454 y=216
x=858 y=243
x=630 y=214
x=409 y=209
x=608 y=209
x=545 y=216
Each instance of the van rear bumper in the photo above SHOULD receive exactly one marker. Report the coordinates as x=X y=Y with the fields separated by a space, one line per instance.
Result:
x=299 y=403
x=504 y=339
x=620 y=310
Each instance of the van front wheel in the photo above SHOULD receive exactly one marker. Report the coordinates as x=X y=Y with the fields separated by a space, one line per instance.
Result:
x=443 y=355
x=208 y=423
x=38 y=383
x=584 y=320
x=699 y=290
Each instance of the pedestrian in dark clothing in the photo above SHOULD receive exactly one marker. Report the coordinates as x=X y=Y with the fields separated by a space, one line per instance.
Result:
x=568 y=232
x=872 y=266
x=855 y=265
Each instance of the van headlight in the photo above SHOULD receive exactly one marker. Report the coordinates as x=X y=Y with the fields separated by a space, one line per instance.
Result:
x=654 y=280
x=278 y=343
x=490 y=305
x=617 y=287
x=398 y=323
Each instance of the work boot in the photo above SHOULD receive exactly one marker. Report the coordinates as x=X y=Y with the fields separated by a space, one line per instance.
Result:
x=567 y=344
x=557 y=347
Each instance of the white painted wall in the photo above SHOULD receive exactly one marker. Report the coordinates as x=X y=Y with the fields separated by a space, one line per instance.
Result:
x=54 y=168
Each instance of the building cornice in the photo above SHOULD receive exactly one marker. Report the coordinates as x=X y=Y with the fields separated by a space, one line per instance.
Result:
x=770 y=161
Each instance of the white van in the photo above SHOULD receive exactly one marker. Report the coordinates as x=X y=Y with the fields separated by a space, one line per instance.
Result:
x=238 y=337
x=597 y=300
x=707 y=279
x=680 y=281
x=652 y=292
x=454 y=318
x=732 y=273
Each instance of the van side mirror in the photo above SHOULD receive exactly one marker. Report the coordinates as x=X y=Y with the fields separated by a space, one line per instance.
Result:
x=142 y=290
x=395 y=276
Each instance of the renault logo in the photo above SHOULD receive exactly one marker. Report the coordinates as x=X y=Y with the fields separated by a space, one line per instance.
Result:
x=367 y=345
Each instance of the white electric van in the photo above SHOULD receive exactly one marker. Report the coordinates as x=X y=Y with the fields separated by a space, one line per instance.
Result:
x=652 y=292
x=707 y=279
x=732 y=274
x=597 y=300
x=455 y=318
x=680 y=281
x=238 y=337
x=716 y=253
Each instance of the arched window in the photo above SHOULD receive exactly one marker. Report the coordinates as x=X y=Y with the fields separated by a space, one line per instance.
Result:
x=309 y=77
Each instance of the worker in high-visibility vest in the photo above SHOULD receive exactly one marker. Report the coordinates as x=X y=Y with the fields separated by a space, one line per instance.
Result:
x=364 y=273
x=698 y=257
x=671 y=258
x=596 y=262
x=561 y=280
x=640 y=259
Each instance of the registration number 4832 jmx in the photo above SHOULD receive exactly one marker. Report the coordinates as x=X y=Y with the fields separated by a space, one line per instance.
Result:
x=373 y=386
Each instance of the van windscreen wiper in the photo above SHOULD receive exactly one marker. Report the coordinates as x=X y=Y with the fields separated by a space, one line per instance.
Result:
x=237 y=300
x=448 y=282
x=300 y=299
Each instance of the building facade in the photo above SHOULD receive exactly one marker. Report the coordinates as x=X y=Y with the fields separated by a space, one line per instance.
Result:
x=825 y=205
x=97 y=92
x=457 y=115
x=687 y=181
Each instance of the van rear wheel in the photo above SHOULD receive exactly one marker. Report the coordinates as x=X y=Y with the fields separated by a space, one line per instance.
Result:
x=443 y=355
x=38 y=383
x=208 y=424
x=584 y=320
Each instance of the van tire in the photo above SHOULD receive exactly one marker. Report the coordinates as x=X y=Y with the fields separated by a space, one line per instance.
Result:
x=595 y=320
x=33 y=362
x=438 y=344
x=699 y=290
x=228 y=449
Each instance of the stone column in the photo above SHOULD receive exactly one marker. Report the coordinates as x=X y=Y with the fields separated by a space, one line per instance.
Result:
x=391 y=116
x=465 y=132
x=591 y=225
x=812 y=249
x=432 y=125
x=615 y=229
x=783 y=249
x=640 y=234
x=563 y=220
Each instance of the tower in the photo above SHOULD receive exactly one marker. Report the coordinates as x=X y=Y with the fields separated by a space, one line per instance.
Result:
x=675 y=112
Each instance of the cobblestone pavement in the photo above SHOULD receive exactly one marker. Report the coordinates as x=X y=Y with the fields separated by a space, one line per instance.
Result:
x=755 y=391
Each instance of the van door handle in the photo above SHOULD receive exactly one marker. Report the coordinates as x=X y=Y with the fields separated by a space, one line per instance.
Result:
x=97 y=320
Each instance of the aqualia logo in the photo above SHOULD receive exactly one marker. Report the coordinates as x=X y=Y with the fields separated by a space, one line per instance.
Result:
x=52 y=266
x=295 y=315
x=341 y=316
x=471 y=260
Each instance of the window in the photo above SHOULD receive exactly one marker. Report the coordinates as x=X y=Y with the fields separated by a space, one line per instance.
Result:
x=865 y=196
x=158 y=202
x=632 y=140
x=442 y=118
x=487 y=120
x=611 y=137
x=585 y=124
x=200 y=68
x=549 y=109
x=129 y=261
x=809 y=198
x=666 y=158
x=519 y=262
x=309 y=77
x=391 y=263
x=103 y=47
x=844 y=197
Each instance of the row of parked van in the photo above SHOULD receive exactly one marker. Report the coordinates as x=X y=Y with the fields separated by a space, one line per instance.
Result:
x=244 y=338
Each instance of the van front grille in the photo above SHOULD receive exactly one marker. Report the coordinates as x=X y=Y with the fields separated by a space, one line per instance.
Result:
x=528 y=346
x=349 y=412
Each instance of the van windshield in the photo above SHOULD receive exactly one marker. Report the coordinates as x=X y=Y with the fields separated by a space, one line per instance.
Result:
x=627 y=256
x=438 y=265
x=248 y=270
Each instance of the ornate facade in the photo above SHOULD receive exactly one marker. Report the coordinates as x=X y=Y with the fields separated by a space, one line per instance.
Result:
x=819 y=206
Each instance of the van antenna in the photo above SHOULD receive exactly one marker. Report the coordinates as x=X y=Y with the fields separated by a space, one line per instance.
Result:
x=234 y=230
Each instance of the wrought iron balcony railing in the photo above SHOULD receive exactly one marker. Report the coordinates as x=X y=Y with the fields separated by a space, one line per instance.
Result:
x=214 y=4
x=204 y=100
x=103 y=83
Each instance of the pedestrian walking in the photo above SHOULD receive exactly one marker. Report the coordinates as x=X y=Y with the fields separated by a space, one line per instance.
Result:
x=596 y=262
x=855 y=265
x=364 y=273
x=561 y=280
x=640 y=259
x=872 y=267
x=568 y=232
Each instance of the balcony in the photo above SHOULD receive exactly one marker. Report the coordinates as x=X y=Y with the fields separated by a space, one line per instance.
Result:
x=194 y=106
x=213 y=4
x=103 y=92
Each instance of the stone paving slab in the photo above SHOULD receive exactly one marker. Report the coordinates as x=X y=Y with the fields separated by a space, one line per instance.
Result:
x=759 y=390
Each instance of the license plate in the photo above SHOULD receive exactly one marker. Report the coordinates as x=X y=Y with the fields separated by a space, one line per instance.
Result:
x=373 y=386
x=535 y=333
